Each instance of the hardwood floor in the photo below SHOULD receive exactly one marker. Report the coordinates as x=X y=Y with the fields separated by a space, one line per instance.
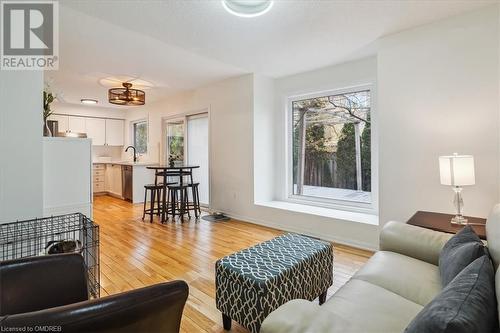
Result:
x=136 y=253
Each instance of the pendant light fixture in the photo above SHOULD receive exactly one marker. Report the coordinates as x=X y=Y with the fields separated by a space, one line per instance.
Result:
x=126 y=96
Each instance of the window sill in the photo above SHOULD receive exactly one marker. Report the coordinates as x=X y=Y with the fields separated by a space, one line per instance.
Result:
x=339 y=214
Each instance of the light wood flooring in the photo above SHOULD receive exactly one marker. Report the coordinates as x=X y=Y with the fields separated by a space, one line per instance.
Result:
x=136 y=253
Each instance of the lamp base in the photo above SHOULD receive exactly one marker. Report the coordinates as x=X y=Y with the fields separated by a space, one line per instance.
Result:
x=459 y=219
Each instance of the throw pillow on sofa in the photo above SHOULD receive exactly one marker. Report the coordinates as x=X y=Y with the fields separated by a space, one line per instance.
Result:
x=466 y=305
x=462 y=249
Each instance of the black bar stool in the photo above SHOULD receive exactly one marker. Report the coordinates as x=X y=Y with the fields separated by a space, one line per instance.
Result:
x=195 y=204
x=174 y=207
x=195 y=194
x=155 y=191
x=177 y=196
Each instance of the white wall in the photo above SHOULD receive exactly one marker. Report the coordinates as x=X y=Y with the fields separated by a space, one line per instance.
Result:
x=231 y=103
x=20 y=145
x=264 y=138
x=438 y=94
x=231 y=111
x=63 y=193
x=342 y=227
x=436 y=90
x=350 y=74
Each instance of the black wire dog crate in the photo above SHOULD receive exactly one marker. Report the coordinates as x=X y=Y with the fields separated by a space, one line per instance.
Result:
x=56 y=234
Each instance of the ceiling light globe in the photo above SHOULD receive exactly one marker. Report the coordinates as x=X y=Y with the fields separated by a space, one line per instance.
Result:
x=247 y=8
x=88 y=101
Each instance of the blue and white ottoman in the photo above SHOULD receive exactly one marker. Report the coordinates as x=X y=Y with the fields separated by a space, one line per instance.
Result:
x=252 y=283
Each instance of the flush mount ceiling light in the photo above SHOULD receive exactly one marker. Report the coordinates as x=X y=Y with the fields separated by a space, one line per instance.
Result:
x=88 y=101
x=126 y=96
x=247 y=8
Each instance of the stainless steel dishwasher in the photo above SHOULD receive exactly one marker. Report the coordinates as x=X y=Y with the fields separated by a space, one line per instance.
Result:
x=127 y=182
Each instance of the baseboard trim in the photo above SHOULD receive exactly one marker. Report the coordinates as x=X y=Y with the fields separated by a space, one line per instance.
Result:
x=326 y=237
x=86 y=209
x=117 y=196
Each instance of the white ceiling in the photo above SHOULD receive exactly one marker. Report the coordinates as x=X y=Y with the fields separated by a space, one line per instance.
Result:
x=91 y=49
x=183 y=44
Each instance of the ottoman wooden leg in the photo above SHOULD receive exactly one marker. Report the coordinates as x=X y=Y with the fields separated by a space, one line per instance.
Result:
x=322 y=297
x=226 y=322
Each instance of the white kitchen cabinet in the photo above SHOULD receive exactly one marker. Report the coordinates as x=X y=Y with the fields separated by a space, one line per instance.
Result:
x=62 y=122
x=77 y=124
x=99 y=178
x=96 y=130
x=113 y=182
x=107 y=178
x=114 y=132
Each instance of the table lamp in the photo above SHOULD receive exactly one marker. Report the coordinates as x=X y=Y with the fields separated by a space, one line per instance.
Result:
x=457 y=171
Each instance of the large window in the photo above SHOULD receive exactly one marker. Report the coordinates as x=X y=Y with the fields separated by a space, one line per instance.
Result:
x=331 y=147
x=140 y=133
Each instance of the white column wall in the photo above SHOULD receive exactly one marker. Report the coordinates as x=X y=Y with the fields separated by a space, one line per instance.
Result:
x=21 y=145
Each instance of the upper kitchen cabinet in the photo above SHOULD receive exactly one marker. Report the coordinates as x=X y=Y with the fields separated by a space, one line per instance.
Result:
x=102 y=131
x=114 y=132
x=62 y=122
x=77 y=124
x=96 y=130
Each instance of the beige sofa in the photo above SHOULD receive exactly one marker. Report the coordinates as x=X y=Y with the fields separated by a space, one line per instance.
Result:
x=388 y=292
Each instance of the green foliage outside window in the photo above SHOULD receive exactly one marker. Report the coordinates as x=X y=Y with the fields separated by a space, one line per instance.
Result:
x=175 y=141
x=141 y=137
x=346 y=158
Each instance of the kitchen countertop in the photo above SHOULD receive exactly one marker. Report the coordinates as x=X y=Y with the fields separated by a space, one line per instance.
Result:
x=140 y=163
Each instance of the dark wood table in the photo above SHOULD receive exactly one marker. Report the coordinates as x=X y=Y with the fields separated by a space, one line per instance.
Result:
x=177 y=170
x=442 y=222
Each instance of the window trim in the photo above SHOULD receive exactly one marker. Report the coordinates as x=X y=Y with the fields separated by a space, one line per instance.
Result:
x=339 y=204
x=132 y=131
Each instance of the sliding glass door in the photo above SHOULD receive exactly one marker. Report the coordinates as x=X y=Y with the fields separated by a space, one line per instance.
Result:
x=197 y=152
x=186 y=141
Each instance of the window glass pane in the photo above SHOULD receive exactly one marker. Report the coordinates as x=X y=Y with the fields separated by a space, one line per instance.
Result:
x=175 y=141
x=141 y=137
x=332 y=147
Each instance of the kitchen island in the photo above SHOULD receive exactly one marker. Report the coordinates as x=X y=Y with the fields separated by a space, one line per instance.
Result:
x=122 y=179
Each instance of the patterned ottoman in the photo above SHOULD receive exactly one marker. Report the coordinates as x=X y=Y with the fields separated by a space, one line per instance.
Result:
x=252 y=283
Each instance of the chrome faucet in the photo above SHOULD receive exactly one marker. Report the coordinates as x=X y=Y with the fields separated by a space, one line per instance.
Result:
x=135 y=154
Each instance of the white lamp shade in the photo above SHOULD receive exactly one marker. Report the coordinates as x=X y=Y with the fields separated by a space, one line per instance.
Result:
x=457 y=170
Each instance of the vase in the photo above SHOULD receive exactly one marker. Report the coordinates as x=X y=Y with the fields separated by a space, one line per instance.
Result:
x=46 y=129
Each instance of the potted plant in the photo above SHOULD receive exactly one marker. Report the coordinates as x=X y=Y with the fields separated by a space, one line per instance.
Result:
x=48 y=98
x=171 y=159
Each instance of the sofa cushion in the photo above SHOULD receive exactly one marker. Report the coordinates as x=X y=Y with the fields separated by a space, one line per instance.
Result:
x=360 y=306
x=402 y=275
x=462 y=249
x=467 y=304
x=493 y=235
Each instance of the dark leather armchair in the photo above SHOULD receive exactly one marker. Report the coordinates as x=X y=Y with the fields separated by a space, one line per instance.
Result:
x=51 y=292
